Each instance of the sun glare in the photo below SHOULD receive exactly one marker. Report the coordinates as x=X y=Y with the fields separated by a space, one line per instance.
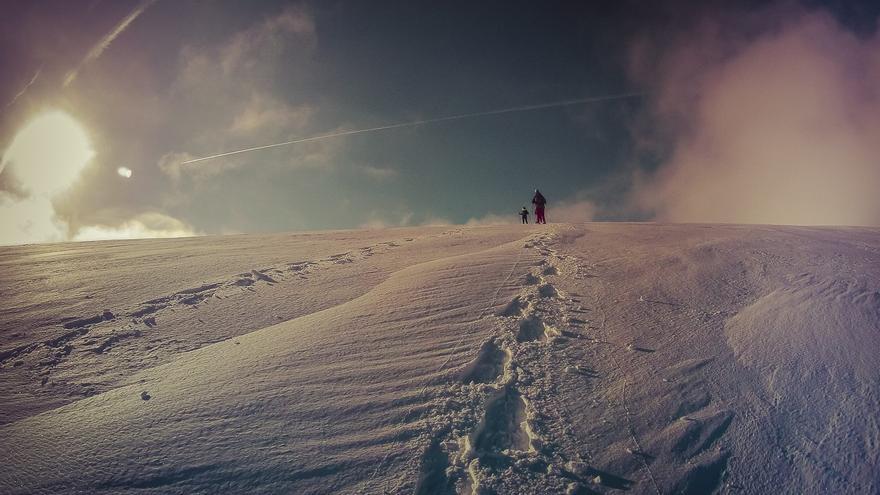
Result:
x=48 y=153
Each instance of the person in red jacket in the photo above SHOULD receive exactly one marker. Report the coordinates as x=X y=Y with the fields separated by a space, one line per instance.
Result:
x=539 y=201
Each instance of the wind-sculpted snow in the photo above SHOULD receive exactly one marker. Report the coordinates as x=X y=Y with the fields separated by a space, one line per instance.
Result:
x=51 y=363
x=571 y=359
x=818 y=336
x=375 y=366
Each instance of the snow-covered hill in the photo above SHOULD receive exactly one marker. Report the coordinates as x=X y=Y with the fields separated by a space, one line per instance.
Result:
x=588 y=358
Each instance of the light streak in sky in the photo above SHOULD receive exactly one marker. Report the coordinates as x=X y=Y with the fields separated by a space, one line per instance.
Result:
x=524 y=108
x=102 y=45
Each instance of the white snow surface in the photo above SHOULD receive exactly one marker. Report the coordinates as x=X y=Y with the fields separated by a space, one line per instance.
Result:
x=588 y=358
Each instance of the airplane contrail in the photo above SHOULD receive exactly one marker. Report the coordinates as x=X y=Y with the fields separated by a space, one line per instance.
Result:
x=414 y=123
x=102 y=45
x=26 y=87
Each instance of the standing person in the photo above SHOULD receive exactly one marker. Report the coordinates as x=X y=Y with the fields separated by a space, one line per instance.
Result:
x=539 y=201
x=524 y=213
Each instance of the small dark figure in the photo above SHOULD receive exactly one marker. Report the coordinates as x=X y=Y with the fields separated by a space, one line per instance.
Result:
x=539 y=202
x=524 y=213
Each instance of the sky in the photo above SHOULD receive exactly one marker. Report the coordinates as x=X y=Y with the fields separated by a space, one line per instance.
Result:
x=749 y=112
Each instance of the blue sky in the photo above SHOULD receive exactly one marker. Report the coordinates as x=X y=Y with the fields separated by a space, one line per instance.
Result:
x=153 y=84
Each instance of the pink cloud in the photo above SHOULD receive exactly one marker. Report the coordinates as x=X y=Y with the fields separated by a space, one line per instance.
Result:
x=779 y=125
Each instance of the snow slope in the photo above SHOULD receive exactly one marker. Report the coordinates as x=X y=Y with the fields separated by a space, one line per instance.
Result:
x=545 y=359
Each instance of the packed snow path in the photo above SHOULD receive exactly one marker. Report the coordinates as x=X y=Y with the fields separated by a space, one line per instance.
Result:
x=547 y=359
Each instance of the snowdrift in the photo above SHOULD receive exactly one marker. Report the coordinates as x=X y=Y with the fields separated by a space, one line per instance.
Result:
x=544 y=359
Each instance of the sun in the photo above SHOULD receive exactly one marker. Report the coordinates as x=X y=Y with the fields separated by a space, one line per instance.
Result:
x=48 y=153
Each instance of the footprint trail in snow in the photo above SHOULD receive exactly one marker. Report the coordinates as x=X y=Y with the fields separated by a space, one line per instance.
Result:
x=578 y=359
x=507 y=435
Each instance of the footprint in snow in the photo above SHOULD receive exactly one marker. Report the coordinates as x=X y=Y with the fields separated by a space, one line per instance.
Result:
x=488 y=365
x=547 y=290
x=532 y=329
x=515 y=307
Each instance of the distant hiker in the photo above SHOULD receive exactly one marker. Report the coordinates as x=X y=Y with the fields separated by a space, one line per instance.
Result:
x=524 y=213
x=539 y=201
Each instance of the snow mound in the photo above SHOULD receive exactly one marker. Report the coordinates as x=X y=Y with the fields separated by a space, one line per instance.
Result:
x=573 y=359
x=814 y=343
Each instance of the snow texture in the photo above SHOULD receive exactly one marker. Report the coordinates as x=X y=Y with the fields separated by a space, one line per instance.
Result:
x=576 y=359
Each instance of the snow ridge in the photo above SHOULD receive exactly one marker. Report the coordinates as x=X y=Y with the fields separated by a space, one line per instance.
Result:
x=576 y=359
x=87 y=338
x=506 y=433
x=443 y=365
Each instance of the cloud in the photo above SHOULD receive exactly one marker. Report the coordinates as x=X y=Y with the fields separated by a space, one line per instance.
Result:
x=34 y=175
x=173 y=166
x=143 y=226
x=33 y=220
x=766 y=119
x=29 y=220
x=249 y=58
x=264 y=112
x=570 y=211
x=378 y=173
x=378 y=221
x=405 y=221
x=12 y=188
x=252 y=73
x=249 y=50
x=375 y=224
x=105 y=42
x=494 y=219
x=577 y=211
x=432 y=221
